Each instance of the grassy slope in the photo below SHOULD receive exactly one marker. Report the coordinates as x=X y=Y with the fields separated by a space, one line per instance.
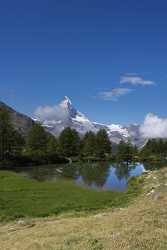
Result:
x=141 y=225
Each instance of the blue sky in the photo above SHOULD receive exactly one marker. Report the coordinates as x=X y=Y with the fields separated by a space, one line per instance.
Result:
x=85 y=50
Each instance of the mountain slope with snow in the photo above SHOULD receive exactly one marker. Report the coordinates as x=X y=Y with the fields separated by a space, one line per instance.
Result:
x=64 y=115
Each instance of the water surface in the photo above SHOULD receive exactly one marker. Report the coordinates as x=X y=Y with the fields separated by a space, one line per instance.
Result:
x=105 y=176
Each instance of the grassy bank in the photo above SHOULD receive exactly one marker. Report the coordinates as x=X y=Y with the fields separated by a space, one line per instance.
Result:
x=141 y=226
x=21 y=197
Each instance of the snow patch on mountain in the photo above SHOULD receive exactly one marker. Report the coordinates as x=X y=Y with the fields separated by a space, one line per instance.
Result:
x=120 y=129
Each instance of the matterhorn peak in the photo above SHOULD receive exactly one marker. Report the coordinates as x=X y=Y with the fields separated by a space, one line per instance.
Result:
x=66 y=106
x=66 y=102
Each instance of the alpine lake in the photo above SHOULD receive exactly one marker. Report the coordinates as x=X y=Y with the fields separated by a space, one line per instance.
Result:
x=101 y=175
x=67 y=190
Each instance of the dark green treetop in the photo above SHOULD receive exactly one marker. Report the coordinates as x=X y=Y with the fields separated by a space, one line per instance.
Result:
x=11 y=142
x=69 y=142
x=37 y=141
x=103 y=144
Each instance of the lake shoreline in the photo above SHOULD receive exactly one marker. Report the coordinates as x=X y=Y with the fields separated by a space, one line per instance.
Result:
x=21 y=197
x=97 y=175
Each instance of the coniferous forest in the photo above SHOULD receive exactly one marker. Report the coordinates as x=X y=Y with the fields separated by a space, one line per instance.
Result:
x=41 y=147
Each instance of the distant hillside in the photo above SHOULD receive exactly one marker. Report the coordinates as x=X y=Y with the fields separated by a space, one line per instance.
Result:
x=21 y=122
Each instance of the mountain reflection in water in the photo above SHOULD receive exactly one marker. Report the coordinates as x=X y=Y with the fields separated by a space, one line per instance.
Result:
x=95 y=175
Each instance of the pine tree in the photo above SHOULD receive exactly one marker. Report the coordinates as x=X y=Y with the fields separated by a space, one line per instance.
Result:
x=11 y=142
x=69 y=142
x=18 y=143
x=52 y=145
x=5 y=134
x=89 y=145
x=37 y=141
x=103 y=144
x=126 y=151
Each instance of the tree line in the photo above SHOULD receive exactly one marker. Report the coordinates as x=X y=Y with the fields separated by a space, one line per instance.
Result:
x=41 y=147
x=155 y=149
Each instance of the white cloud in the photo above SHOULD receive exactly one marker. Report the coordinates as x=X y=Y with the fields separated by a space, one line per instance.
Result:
x=135 y=79
x=154 y=127
x=113 y=94
x=56 y=113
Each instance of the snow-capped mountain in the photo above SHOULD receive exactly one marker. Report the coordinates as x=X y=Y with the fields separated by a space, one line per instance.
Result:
x=65 y=115
x=117 y=132
x=68 y=117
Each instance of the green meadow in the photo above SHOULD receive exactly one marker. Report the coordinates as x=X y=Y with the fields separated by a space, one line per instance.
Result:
x=21 y=197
